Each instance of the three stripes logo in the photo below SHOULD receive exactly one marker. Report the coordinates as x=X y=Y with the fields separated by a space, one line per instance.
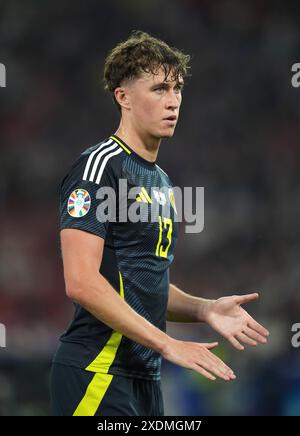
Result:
x=143 y=197
x=98 y=159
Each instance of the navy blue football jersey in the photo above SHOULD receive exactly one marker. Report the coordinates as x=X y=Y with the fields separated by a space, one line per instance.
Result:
x=115 y=194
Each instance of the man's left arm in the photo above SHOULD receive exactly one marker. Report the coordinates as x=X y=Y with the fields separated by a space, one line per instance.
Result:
x=225 y=315
x=183 y=307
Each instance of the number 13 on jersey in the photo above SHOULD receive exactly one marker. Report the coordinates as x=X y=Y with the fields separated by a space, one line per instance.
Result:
x=165 y=233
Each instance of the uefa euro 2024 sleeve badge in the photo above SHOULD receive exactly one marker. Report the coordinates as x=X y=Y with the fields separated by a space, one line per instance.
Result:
x=79 y=203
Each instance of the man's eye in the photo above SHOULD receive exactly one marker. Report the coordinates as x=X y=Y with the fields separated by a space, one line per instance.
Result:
x=159 y=89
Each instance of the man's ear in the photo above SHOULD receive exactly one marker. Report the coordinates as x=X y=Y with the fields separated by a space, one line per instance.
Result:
x=122 y=97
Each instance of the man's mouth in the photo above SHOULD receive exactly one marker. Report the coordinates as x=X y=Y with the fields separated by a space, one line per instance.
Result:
x=171 y=118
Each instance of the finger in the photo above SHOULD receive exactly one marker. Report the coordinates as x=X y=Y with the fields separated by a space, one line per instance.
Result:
x=210 y=345
x=202 y=371
x=257 y=327
x=225 y=374
x=215 y=365
x=216 y=361
x=219 y=372
x=213 y=369
x=236 y=343
x=254 y=335
x=222 y=371
x=244 y=338
x=242 y=299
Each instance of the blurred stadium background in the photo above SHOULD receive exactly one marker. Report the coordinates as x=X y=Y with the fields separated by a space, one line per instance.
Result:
x=238 y=137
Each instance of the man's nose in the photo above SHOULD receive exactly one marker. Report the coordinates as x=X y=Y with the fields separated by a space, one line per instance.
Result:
x=172 y=100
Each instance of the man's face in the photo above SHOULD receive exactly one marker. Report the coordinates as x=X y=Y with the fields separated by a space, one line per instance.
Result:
x=155 y=103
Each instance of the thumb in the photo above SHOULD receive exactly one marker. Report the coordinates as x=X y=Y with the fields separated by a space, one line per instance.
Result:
x=242 y=299
x=210 y=345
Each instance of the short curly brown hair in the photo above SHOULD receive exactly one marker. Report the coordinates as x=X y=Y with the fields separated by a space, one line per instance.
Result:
x=140 y=53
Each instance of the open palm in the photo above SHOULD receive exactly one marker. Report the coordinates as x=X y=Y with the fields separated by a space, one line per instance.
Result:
x=228 y=318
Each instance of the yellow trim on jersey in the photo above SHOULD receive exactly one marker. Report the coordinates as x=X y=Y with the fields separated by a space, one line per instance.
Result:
x=147 y=195
x=172 y=199
x=138 y=198
x=94 y=395
x=108 y=353
x=101 y=364
x=120 y=143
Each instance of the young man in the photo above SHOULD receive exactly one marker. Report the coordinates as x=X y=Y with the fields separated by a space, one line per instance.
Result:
x=117 y=270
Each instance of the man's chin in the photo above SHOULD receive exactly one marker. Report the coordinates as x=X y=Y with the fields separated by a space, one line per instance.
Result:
x=167 y=134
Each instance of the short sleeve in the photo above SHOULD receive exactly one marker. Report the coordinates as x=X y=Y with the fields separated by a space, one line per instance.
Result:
x=80 y=201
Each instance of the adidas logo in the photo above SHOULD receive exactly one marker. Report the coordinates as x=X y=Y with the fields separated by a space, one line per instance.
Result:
x=143 y=197
x=160 y=197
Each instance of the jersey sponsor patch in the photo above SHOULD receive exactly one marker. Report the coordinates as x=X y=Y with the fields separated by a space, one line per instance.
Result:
x=79 y=203
x=160 y=197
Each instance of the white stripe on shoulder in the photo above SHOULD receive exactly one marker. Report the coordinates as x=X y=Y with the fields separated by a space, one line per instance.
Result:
x=119 y=150
x=162 y=170
x=89 y=161
x=102 y=153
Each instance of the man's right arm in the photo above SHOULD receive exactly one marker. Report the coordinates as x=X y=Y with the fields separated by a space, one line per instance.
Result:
x=82 y=255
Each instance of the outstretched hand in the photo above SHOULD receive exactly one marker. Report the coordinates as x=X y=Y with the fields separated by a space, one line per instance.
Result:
x=228 y=318
x=197 y=356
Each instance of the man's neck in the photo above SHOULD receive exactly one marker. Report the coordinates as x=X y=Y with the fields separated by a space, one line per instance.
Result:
x=147 y=148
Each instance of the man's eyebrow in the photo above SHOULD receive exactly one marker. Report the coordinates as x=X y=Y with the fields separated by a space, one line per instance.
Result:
x=167 y=84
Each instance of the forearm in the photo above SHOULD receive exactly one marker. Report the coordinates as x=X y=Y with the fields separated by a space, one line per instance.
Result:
x=183 y=307
x=99 y=298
